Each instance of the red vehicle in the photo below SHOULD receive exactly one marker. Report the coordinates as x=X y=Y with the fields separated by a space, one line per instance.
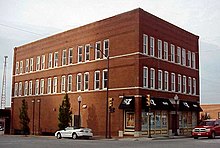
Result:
x=207 y=128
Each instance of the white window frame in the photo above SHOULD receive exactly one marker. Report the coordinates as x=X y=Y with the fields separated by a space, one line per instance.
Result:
x=173 y=82
x=166 y=80
x=20 y=89
x=70 y=58
x=106 y=48
x=54 y=85
x=152 y=48
x=145 y=77
x=152 y=78
x=30 y=88
x=64 y=57
x=86 y=81
x=178 y=60
x=179 y=83
x=97 y=80
x=43 y=58
x=21 y=67
x=56 y=59
x=50 y=60
x=189 y=85
x=37 y=87
x=87 y=52
x=189 y=58
x=38 y=63
x=63 y=84
x=49 y=84
x=183 y=57
x=160 y=79
x=26 y=88
x=104 y=80
x=184 y=84
x=172 y=50
x=31 y=64
x=159 y=45
x=194 y=86
x=145 y=44
x=16 y=90
x=42 y=86
x=193 y=60
x=70 y=80
x=79 y=82
x=166 y=51
x=80 y=54
x=98 y=51
x=27 y=66
x=17 y=68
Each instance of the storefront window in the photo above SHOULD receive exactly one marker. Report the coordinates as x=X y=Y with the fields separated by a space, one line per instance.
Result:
x=152 y=120
x=144 y=121
x=158 y=120
x=164 y=119
x=189 y=119
x=194 y=119
x=180 y=120
x=129 y=120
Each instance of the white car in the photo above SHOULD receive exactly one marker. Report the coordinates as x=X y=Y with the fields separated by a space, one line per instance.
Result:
x=73 y=132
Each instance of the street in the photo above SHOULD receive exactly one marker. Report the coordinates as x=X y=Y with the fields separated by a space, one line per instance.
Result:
x=8 y=141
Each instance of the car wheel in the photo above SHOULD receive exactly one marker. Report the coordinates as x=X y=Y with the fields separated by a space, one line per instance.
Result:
x=74 y=136
x=195 y=137
x=59 y=136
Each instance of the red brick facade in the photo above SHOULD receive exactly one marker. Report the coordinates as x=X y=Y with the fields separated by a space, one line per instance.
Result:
x=122 y=37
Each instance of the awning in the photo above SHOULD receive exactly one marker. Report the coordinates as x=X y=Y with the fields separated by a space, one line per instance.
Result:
x=189 y=106
x=127 y=102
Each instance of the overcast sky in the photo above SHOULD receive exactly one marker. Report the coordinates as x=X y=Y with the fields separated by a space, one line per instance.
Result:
x=24 y=21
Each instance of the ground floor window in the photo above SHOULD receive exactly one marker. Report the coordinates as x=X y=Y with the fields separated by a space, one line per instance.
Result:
x=130 y=120
x=187 y=121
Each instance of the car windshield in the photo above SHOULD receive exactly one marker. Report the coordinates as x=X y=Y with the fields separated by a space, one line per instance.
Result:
x=207 y=123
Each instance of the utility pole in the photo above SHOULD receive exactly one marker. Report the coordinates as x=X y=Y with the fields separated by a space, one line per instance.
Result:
x=3 y=97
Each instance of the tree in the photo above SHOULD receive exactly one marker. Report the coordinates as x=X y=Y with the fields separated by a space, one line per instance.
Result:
x=65 y=113
x=24 y=119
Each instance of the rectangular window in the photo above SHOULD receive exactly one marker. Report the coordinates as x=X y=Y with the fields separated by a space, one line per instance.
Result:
x=36 y=87
x=184 y=84
x=159 y=49
x=145 y=77
x=38 y=63
x=166 y=76
x=104 y=79
x=80 y=48
x=20 y=89
x=17 y=68
x=49 y=85
x=86 y=81
x=179 y=83
x=152 y=78
x=160 y=79
x=30 y=88
x=43 y=62
x=21 y=67
x=172 y=48
x=145 y=44
x=165 y=51
x=42 y=86
x=178 y=60
x=56 y=59
x=26 y=88
x=16 y=90
x=184 y=57
x=70 y=60
x=63 y=84
x=189 y=85
x=79 y=82
x=55 y=85
x=27 y=66
x=106 y=48
x=97 y=79
x=64 y=58
x=50 y=60
x=173 y=82
x=97 y=50
x=193 y=60
x=87 y=55
x=189 y=59
x=69 y=83
x=151 y=46
x=194 y=86
x=31 y=64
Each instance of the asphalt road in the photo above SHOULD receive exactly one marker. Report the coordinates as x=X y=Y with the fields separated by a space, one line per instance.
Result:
x=51 y=142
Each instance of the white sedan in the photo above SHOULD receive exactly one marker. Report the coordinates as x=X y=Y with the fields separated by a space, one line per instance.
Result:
x=73 y=132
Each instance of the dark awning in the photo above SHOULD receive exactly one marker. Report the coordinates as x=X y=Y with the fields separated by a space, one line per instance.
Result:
x=127 y=102
x=189 y=106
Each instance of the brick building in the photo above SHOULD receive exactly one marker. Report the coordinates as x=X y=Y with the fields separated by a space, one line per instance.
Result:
x=211 y=110
x=147 y=56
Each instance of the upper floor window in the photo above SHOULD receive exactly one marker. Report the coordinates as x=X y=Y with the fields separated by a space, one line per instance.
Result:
x=17 y=68
x=16 y=90
x=194 y=86
x=152 y=78
x=49 y=82
x=21 y=67
x=64 y=62
x=151 y=46
x=86 y=81
x=36 y=87
x=55 y=85
x=98 y=50
x=160 y=79
x=172 y=48
x=26 y=88
x=189 y=85
x=173 y=82
x=106 y=48
x=145 y=44
x=50 y=60
x=189 y=59
x=165 y=51
x=63 y=84
x=69 y=87
x=87 y=55
x=70 y=60
x=193 y=60
x=159 y=44
x=20 y=89
x=80 y=48
x=179 y=83
x=145 y=77
x=184 y=57
x=79 y=82
x=38 y=63
x=27 y=66
x=31 y=64
x=42 y=86
x=97 y=80
x=56 y=59
x=184 y=84
x=30 y=88
x=105 y=79
x=43 y=62
x=178 y=60
x=166 y=84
